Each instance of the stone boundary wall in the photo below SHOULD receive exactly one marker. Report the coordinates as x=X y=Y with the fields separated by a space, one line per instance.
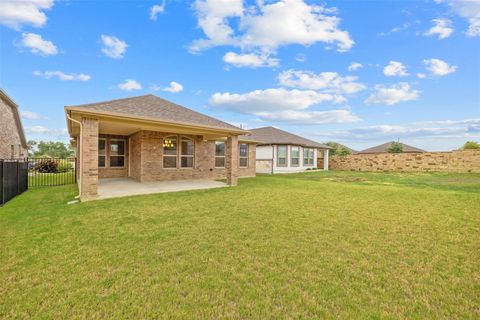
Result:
x=454 y=161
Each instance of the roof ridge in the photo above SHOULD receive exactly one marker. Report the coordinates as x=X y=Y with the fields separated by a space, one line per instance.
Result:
x=112 y=100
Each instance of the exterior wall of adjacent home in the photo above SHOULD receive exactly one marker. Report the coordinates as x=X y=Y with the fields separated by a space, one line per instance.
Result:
x=267 y=160
x=454 y=161
x=144 y=161
x=10 y=142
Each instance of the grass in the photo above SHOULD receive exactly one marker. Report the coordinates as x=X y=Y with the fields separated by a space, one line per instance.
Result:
x=313 y=245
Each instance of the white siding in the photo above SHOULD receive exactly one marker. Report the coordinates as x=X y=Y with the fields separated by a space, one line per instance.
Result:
x=267 y=152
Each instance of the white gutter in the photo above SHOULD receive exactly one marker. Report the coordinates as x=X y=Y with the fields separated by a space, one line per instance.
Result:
x=80 y=155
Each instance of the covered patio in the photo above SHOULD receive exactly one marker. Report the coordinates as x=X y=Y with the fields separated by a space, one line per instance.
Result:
x=122 y=187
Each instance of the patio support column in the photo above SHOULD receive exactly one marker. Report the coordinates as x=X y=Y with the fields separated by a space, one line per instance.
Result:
x=325 y=159
x=89 y=159
x=232 y=161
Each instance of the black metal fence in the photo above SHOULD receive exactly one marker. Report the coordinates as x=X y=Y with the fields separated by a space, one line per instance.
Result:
x=51 y=171
x=13 y=179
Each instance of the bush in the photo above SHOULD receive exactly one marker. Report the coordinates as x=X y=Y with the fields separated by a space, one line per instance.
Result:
x=471 y=145
x=46 y=166
x=64 y=166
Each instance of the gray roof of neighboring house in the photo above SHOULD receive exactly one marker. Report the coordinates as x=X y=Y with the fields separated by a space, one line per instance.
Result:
x=271 y=135
x=384 y=148
x=16 y=114
x=156 y=108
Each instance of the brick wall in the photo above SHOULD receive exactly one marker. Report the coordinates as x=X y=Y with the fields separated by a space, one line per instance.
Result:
x=9 y=134
x=89 y=160
x=147 y=159
x=455 y=161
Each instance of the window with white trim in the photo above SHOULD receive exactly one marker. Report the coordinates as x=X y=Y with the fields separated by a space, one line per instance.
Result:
x=170 y=152
x=294 y=156
x=102 y=144
x=220 y=154
x=308 y=156
x=243 y=154
x=187 y=152
x=282 y=156
x=117 y=153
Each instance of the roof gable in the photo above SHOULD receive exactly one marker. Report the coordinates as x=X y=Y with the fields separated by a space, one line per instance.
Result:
x=154 y=108
x=271 y=135
x=382 y=148
x=9 y=101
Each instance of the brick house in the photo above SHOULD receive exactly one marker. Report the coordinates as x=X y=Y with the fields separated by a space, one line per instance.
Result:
x=147 y=138
x=279 y=151
x=13 y=144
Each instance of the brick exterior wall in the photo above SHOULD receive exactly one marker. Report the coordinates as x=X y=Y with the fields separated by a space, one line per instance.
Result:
x=455 y=161
x=9 y=134
x=146 y=160
x=89 y=159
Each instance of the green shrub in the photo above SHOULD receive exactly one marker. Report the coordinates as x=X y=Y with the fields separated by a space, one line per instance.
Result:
x=395 y=147
x=471 y=145
x=65 y=166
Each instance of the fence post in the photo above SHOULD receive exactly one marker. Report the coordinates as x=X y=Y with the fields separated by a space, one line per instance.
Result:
x=1 y=183
x=18 y=176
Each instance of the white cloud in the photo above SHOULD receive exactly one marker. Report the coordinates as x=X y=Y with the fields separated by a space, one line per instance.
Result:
x=421 y=75
x=468 y=9
x=156 y=9
x=445 y=129
x=395 y=69
x=62 y=76
x=392 y=95
x=326 y=81
x=267 y=26
x=301 y=57
x=130 y=85
x=439 y=67
x=16 y=13
x=30 y=115
x=250 y=60
x=49 y=132
x=310 y=117
x=272 y=100
x=174 y=87
x=113 y=47
x=442 y=27
x=354 y=66
x=38 y=45
x=37 y=129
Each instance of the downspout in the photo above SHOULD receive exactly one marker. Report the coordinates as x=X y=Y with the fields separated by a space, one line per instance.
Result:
x=80 y=155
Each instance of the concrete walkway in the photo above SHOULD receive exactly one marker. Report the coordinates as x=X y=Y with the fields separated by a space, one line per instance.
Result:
x=121 y=187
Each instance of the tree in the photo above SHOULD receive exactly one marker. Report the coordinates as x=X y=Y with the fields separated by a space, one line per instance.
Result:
x=471 y=145
x=31 y=144
x=395 y=147
x=338 y=149
x=53 y=149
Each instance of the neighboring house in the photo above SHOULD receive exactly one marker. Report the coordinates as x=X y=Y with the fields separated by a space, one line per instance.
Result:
x=13 y=144
x=279 y=151
x=148 y=138
x=383 y=148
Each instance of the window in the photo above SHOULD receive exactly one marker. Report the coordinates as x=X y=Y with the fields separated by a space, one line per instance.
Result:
x=187 y=152
x=101 y=152
x=219 y=154
x=295 y=156
x=243 y=149
x=282 y=156
x=308 y=155
x=117 y=153
x=170 y=152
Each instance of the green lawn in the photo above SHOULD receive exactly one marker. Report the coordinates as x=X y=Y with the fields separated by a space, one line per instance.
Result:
x=313 y=245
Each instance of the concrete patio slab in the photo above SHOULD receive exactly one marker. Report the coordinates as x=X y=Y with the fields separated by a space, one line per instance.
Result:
x=121 y=187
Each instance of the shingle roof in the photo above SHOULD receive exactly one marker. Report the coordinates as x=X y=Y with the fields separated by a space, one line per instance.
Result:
x=384 y=148
x=271 y=135
x=155 y=108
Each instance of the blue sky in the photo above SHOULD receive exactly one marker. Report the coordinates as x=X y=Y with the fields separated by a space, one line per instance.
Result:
x=357 y=72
